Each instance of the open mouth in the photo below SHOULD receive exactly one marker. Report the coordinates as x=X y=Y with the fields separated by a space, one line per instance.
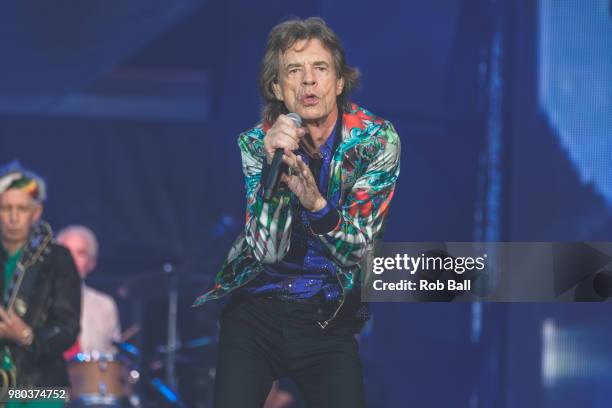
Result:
x=309 y=99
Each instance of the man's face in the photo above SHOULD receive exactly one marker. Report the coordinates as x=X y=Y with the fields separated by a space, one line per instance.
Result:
x=79 y=248
x=308 y=84
x=18 y=213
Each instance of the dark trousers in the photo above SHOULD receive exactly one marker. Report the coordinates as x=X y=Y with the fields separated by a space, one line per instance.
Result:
x=263 y=339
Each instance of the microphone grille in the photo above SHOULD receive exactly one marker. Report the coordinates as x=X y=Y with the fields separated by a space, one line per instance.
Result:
x=295 y=118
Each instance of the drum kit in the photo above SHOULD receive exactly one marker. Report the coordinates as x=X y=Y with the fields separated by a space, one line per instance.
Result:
x=103 y=380
x=122 y=379
x=107 y=380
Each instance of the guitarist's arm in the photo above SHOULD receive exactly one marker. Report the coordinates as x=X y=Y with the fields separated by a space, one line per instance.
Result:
x=61 y=328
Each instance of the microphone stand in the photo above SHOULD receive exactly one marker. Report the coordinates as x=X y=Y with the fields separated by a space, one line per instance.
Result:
x=172 y=327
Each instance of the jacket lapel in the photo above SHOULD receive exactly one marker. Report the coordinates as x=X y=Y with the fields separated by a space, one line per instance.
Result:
x=345 y=166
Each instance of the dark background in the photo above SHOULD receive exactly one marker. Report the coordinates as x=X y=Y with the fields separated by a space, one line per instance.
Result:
x=131 y=111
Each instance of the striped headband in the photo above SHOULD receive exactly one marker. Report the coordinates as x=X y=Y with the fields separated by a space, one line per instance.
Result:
x=13 y=175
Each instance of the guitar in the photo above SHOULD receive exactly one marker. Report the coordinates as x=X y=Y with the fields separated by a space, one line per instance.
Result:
x=36 y=248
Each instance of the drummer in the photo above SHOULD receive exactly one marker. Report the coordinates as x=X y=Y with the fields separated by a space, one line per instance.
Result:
x=100 y=324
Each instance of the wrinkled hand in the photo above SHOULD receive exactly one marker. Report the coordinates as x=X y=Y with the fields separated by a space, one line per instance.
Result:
x=12 y=327
x=302 y=183
x=284 y=134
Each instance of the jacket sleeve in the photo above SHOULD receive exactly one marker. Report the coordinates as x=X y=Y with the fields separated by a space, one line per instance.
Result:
x=350 y=231
x=267 y=227
x=61 y=328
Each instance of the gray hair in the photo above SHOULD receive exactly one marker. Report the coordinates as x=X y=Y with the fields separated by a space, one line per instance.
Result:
x=284 y=36
x=86 y=233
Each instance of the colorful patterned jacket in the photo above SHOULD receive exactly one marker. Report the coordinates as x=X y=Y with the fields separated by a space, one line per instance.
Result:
x=363 y=172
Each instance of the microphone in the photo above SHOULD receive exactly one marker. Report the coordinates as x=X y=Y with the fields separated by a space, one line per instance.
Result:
x=276 y=167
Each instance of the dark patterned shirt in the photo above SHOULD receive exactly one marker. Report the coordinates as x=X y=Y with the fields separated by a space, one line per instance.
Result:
x=306 y=270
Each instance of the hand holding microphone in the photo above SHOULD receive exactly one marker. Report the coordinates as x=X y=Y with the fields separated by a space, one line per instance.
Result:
x=285 y=134
x=282 y=139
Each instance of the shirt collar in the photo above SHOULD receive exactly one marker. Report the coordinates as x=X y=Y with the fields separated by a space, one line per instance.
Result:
x=8 y=257
x=327 y=147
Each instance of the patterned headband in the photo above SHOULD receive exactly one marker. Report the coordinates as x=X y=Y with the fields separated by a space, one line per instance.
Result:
x=14 y=175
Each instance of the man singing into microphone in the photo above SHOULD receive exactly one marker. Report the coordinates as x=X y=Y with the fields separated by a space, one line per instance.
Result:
x=295 y=270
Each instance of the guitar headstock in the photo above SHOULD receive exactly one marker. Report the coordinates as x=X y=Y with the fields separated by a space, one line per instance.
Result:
x=38 y=244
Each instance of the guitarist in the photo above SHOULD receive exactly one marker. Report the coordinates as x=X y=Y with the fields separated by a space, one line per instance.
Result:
x=39 y=284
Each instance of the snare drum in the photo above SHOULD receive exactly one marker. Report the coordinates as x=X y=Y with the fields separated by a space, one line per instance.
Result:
x=96 y=380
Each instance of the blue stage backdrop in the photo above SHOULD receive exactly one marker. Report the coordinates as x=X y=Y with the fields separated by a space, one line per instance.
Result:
x=504 y=108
